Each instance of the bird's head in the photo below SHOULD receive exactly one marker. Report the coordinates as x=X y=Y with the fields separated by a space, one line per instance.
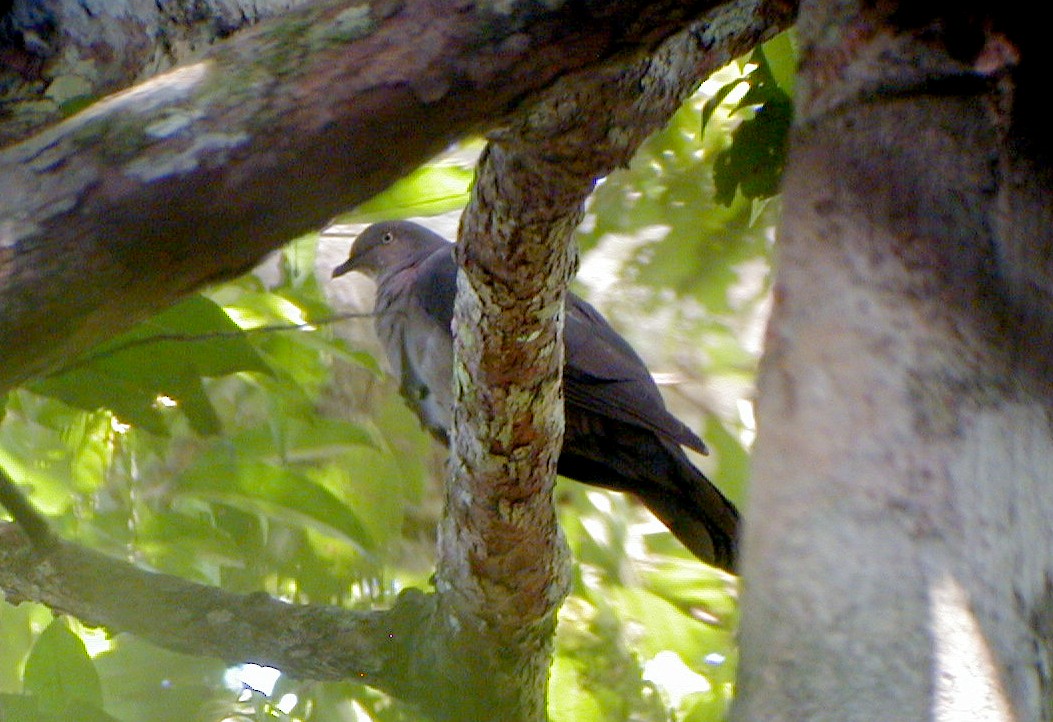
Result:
x=387 y=247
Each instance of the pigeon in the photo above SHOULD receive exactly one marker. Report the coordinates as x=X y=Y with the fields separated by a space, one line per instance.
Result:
x=618 y=433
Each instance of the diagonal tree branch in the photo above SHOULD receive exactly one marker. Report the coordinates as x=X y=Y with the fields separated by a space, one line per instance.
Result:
x=193 y=176
x=56 y=56
x=305 y=641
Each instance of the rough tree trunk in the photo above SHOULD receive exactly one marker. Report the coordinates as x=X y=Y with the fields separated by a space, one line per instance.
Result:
x=899 y=544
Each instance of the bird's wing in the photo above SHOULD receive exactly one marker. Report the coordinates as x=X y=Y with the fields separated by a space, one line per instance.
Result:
x=604 y=375
x=435 y=286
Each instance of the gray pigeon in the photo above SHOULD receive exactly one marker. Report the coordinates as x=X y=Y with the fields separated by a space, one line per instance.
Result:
x=618 y=433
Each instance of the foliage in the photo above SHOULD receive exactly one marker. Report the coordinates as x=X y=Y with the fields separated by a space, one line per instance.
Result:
x=246 y=438
x=754 y=161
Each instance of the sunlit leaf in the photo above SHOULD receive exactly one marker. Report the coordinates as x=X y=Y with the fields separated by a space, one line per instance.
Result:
x=707 y=707
x=144 y=682
x=275 y=491
x=733 y=463
x=567 y=701
x=663 y=625
x=427 y=191
x=166 y=356
x=16 y=639
x=781 y=54
x=59 y=672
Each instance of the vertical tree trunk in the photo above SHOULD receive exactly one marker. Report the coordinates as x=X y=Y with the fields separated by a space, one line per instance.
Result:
x=898 y=546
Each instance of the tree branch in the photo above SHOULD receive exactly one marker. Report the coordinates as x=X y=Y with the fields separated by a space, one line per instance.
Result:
x=304 y=641
x=503 y=567
x=57 y=56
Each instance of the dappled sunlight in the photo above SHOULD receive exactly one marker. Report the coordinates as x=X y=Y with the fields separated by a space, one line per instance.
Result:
x=155 y=92
x=676 y=680
x=966 y=683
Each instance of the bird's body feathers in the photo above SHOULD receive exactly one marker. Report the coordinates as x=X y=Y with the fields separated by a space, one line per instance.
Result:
x=618 y=432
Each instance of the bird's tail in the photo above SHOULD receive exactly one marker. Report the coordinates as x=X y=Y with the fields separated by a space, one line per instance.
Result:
x=697 y=514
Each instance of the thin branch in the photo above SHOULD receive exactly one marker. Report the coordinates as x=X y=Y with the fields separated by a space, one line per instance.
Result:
x=25 y=514
x=112 y=350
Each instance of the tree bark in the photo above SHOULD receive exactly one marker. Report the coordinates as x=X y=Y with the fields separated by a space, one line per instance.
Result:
x=310 y=641
x=897 y=559
x=57 y=57
x=502 y=567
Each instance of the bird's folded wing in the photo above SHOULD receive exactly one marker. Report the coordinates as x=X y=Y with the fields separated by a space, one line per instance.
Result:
x=604 y=375
x=602 y=372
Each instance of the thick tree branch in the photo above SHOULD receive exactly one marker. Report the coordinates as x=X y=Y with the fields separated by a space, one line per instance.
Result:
x=502 y=567
x=194 y=175
x=305 y=641
x=56 y=56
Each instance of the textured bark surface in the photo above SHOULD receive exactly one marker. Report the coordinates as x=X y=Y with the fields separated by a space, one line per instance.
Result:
x=56 y=57
x=305 y=641
x=898 y=545
x=502 y=569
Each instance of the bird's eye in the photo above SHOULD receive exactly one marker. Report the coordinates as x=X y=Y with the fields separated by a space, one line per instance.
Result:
x=387 y=237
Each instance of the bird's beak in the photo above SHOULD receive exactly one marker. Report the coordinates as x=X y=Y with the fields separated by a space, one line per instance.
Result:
x=345 y=267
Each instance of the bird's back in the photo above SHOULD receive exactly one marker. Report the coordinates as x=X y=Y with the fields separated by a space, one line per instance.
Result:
x=619 y=434
x=602 y=373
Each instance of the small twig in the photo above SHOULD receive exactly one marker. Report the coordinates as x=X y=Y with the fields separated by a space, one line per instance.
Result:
x=211 y=336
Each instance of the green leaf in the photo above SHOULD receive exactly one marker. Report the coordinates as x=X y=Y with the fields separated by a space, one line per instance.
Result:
x=21 y=707
x=781 y=54
x=165 y=356
x=686 y=584
x=427 y=191
x=59 y=671
x=94 y=387
x=16 y=639
x=733 y=462
x=147 y=683
x=754 y=162
x=664 y=625
x=757 y=156
x=278 y=492
x=714 y=102
x=567 y=700
x=710 y=706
